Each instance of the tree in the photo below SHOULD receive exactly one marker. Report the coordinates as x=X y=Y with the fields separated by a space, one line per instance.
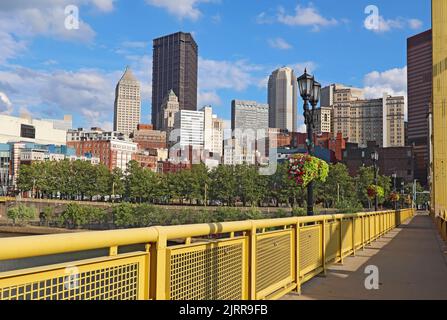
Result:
x=224 y=184
x=339 y=187
x=21 y=213
x=116 y=183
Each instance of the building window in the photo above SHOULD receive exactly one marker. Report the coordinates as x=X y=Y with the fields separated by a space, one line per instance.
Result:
x=27 y=131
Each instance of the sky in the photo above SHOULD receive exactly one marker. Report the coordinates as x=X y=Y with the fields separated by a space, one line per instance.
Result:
x=51 y=66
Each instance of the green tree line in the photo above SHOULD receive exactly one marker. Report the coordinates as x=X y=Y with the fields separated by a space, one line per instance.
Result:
x=222 y=186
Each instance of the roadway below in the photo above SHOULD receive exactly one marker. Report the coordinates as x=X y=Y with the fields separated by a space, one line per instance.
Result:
x=412 y=264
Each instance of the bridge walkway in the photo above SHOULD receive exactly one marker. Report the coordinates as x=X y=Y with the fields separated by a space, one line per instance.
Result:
x=412 y=264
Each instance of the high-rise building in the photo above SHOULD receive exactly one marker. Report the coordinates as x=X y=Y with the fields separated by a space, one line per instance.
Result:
x=439 y=116
x=175 y=63
x=127 y=104
x=249 y=115
x=362 y=120
x=213 y=134
x=419 y=62
x=323 y=120
x=170 y=107
x=189 y=128
x=283 y=100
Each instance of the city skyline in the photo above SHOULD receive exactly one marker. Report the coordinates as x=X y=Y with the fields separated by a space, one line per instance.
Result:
x=229 y=68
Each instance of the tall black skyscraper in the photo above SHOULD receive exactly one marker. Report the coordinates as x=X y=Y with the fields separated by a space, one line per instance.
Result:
x=175 y=60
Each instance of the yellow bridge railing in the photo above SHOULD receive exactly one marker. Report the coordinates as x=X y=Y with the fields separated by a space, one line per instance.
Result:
x=441 y=223
x=262 y=259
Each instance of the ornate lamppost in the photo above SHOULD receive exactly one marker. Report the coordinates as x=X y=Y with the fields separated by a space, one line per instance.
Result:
x=310 y=91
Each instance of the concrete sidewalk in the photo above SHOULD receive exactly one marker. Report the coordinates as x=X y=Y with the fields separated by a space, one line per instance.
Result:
x=412 y=262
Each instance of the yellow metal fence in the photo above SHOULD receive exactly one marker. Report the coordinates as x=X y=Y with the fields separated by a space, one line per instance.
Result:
x=441 y=223
x=262 y=259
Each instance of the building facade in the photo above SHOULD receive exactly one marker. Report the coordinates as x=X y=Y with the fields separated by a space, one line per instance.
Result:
x=249 y=116
x=393 y=160
x=323 y=120
x=361 y=120
x=170 y=107
x=113 y=149
x=283 y=99
x=148 y=138
x=127 y=104
x=420 y=83
x=26 y=129
x=175 y=64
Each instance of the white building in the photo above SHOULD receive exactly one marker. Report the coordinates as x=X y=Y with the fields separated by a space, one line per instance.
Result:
x=127 y=113
x=26 y=129
x=213 y=132
x=283 y=99
x=94 y=134
x=323 y=120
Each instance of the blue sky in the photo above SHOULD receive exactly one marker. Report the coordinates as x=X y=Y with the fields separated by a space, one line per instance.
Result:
x=47 y=70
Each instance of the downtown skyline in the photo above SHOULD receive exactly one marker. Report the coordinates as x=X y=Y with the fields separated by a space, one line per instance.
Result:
x=49 y=71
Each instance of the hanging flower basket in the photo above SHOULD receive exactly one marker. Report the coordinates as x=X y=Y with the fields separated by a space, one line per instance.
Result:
x=394 y=197
x=374 y=190
x=304 y=169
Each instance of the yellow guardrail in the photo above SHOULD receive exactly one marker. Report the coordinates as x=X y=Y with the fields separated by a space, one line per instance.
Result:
x=6 y=199
x=441 y=223
x=262 y=259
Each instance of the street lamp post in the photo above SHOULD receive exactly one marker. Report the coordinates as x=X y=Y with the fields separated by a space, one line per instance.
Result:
x=394 y=189
x=310 y=91
x=375 y=158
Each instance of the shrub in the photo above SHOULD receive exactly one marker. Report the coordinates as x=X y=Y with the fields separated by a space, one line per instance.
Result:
x=124 y=215
x=48 y=214
x=95 y=214
x=299 y=212
x=74 y=216
x=252 y=214
x=21 y=213
x=345 y=206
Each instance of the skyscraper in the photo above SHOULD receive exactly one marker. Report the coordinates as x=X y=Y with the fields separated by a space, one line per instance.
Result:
x=419 y=62
x=249 y=115
x=175 y=60
x=282 y=99
x=127 y=104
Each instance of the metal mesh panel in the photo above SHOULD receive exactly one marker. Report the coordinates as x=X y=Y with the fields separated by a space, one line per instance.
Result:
x=310 y=249
x=273 y=259
x=358 y=232
x=332 y=240
x=347 y=235
x=99 y=281
x=213 y=271
x=372 y=220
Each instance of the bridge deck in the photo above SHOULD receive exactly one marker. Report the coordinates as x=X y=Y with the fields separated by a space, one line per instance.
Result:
x=412 y=262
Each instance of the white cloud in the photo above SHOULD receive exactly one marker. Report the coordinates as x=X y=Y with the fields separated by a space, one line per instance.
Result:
x=279 y=43
x=386 y=25
x=393 y=82
x=182 y=9
x=208 y=98
x=5 y=104
x=305 y=16
x=215 y=74
x=60 y=91
x=20 y=20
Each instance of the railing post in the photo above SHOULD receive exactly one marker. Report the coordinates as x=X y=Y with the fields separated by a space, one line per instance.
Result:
x=147 y=272
x=297 y=258
x=252 y=269
x=363 y=232
x=353 y=236
x=160 y=281
x=341 y=240
x=323 y=245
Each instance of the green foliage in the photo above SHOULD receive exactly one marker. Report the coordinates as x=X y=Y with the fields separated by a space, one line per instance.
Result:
x=346 y=206
x=48 y=213
x=21 y=214
x=305 y=169
x=123 y=215
x=73 y=216
x=299 y=212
